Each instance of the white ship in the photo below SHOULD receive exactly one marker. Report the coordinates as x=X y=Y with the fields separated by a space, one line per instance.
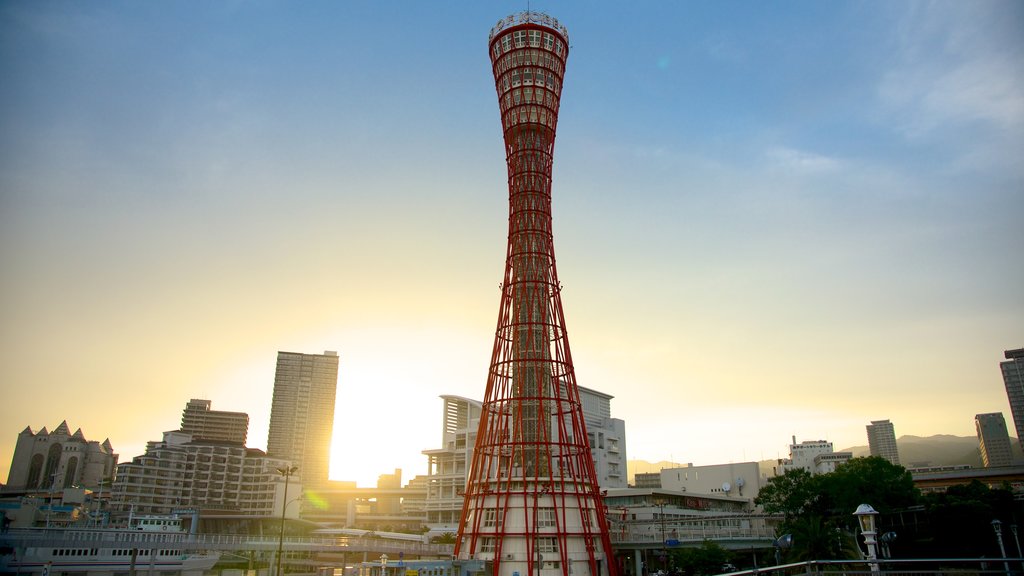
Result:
x=149 y=545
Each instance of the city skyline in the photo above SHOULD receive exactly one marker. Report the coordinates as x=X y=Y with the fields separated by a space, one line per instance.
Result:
x=794 y=222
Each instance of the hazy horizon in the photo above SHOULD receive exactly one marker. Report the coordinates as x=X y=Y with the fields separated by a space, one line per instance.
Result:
x=770 y=220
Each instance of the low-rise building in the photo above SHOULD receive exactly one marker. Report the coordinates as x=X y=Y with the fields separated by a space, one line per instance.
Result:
x=814 y=456
x=47 y=460
x=735 y=480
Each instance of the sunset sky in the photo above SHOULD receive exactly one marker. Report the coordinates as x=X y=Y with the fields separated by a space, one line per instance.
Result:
x=771 y=219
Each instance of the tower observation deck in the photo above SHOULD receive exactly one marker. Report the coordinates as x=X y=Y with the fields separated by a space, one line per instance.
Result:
x=532 y=504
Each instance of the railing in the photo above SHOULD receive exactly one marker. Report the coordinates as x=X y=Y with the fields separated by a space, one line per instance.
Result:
x=99 y=538
x=647 y=532
x=900 y=567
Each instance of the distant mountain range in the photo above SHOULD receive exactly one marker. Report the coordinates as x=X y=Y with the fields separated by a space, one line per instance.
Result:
x=915 y=451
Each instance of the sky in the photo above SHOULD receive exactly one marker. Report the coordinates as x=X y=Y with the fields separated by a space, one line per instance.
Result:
x=771 y=219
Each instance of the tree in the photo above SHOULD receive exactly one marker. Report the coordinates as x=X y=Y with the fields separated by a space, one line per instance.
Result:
x=871 y=480
x=445 y=538
x=817 y=538
x=791 y=494
x=960 y=519
x=709 y=558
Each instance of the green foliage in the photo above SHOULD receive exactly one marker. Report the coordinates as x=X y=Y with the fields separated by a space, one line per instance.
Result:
x=707 y=559
x=790 y=494
x=817 y=538
x=836 y=495
x=960 y=519
x=446 y=538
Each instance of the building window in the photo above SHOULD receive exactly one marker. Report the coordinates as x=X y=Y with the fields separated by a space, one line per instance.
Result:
x=546 y=518
x=487 y=544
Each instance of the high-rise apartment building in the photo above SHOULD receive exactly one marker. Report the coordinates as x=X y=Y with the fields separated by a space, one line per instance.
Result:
x=1013 y=378
x=204 y=424
x=993 y=440
x=882 y=440
x=302 y=413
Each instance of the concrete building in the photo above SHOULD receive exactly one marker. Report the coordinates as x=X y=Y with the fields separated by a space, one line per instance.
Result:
x=204 y=424
x=882 y=440
x=54 y=460
x=1013 y=379
x=993 y=440
x=741 y=480
x=647 y=480
x=179 y=472
x=607 y=438
x=814 y=456
x=448 y=466
x=302 y=413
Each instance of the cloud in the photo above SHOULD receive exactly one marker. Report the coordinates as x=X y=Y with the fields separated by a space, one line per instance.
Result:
x=799 y=161
x=954 y=64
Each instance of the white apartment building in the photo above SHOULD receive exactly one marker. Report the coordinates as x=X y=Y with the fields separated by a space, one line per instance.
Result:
x=203 y=423
x=177 y=473
x=448 y=466
x=607 y=438
x=815 y=456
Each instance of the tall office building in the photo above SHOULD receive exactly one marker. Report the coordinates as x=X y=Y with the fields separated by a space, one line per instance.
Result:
x=993 y=440
x=1013 y=378
x=202 y=423
x=882 y=440
x=533 y=501
x=302 y=413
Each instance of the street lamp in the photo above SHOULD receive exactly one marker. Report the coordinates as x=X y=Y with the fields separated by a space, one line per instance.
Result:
x=784 y=542
x=1013 y=528
x=383 y=565
x=287 y=473
x=997 y=526
x=866 y=516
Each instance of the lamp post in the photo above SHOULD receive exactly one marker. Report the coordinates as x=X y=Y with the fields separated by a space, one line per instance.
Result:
x=1013 y=528
x=997 y=526
x=866 y=516
x=287 y=473
x=383 y=565
x=784 y=542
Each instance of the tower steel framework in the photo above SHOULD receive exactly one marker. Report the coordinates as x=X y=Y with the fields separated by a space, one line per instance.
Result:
x=533 y=505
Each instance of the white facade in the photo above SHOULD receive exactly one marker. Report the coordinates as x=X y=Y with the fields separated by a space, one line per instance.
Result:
x=53 y=460
x=607 y=438
x=814 y=456
x=448 y=466
x=177 y=473
x=738 y=480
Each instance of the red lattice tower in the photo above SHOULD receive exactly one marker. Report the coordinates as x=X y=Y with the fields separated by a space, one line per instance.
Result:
x=532 y=503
